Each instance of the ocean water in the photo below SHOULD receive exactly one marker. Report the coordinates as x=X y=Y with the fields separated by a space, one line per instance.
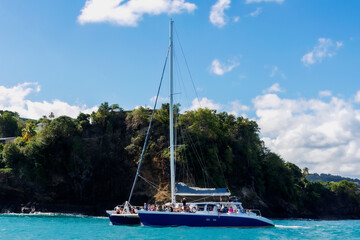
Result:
x=50 y=226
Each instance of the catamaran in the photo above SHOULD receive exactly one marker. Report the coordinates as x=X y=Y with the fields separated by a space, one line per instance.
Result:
x=199 y=214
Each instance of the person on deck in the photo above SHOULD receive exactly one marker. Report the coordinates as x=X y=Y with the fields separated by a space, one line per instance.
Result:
x=193 y=210
x=117 y=210
x=184 y=202
x=231 y=210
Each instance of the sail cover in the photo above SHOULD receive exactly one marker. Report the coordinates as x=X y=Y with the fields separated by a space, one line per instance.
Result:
x=183 y=190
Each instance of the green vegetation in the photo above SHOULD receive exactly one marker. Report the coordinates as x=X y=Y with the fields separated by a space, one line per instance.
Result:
x=329 y=178
x=92 y=160
x=10 y=124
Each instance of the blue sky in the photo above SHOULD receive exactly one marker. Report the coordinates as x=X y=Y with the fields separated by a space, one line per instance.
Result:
x=290 y=65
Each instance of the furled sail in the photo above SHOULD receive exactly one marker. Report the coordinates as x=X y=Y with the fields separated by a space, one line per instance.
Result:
x=183 y=190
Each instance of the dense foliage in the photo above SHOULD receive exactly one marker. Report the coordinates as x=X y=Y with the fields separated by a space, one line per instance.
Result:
x=10 y=124
x=91 y=160
x=329 y=178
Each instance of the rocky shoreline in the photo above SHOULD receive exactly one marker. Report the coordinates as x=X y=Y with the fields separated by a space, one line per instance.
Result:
x=36 y=208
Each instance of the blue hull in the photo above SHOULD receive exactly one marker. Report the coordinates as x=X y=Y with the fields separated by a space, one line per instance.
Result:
x=202 y=220
x=123 y=219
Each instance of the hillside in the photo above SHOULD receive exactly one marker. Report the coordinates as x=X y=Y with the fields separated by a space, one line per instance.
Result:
x=87 y=164
x=312 y=177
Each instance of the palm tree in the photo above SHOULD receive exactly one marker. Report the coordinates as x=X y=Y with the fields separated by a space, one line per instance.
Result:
x=28 y=131
x=51 y=115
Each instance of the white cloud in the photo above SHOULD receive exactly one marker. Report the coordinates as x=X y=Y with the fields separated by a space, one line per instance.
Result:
x=274 y=88
x=219 y=68
x=275 y=71
x=237 y=109
x=260 y=1
x=217 y=15
x=325 y=93
x=160 y=100
x=204 y=103
x=236 y=19
x=256 y=12
x=130 y=12
x=357 y=97
x=325 y=48
x=339 y=44
x=321 y=135
x=15 y=99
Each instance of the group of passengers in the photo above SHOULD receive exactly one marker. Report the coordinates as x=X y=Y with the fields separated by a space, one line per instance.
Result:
x=122 y=210
x=186 y=208
x=193 y=208
x=170 y=208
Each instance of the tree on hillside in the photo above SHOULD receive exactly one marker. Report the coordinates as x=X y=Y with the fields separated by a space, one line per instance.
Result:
x=9 y=124
x=28 y=131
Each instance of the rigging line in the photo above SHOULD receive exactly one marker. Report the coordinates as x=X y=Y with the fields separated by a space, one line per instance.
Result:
x=199 y=155
x=222 y=171
x=185 y=165
x=187 y=66
x=148 y=131
x=183 y=86
x=149 y=182
x=186 y=162
x=190 y=176
x=182 y=89
x=193 y=84
x=192 y=145
x=178 y=74
x=189 y=157
x=200 y=161
x=180 y=82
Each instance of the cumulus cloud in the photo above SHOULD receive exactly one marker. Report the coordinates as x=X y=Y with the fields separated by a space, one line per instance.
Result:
x=260 y=1
x=16 y=99
x=160 y=100
x=321 y=135
x=357 y=97
x=236 y=19
x=274 y=88
x=325 y=48
x=219 y=68
x=256 y=12
x=217 y=15
x=204 y=103
x=325 y=93
x=130 y=12
x=237 y=109
x=275 y=71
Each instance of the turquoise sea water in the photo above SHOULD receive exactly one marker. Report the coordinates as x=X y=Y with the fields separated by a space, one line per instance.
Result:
x=77 y=227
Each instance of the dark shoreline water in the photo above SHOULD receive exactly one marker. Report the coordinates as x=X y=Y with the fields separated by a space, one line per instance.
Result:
x=80 y=215
x=67 y=226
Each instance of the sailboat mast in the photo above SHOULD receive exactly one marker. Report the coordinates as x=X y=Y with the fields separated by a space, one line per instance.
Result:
x=172 y=160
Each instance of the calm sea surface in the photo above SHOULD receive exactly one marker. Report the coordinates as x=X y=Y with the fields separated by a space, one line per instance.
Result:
x=77 y=227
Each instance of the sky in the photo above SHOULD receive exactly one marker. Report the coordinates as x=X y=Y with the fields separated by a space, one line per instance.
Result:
x=292 y=66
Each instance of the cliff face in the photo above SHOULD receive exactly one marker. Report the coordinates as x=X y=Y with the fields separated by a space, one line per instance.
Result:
x=83 y=166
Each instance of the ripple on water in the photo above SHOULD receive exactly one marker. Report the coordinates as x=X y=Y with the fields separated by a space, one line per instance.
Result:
x=81 y=227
